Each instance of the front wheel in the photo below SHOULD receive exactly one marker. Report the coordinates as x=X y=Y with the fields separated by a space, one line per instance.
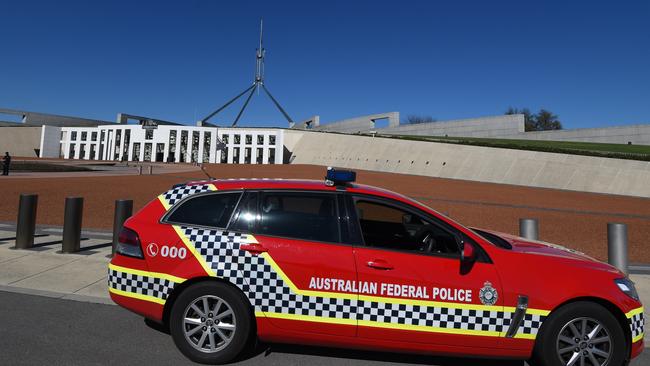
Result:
x=581 y=334
x=210 y=323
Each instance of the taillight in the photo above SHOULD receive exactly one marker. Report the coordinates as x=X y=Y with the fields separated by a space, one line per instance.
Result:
x=129 y=243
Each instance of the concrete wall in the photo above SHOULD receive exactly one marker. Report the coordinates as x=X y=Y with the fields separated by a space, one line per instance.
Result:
x=504 y=166
x=495 y=126
x=50 y=142
x=20 y=141
x=636 y=134
x=358 y=124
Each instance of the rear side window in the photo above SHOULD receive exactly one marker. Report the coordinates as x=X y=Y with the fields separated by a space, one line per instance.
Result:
x=212 y=210
x=308 y=216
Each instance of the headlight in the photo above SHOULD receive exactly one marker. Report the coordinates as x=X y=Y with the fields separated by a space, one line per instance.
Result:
x=627 y=286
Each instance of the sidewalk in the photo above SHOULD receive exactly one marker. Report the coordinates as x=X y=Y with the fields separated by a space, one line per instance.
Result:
x=43 y=270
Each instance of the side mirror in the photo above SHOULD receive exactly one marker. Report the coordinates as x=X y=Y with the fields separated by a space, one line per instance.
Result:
x=468 y=253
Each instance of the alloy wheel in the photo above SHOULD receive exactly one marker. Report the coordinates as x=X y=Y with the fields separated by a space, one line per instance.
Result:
x=209 y=324
x=584 y=342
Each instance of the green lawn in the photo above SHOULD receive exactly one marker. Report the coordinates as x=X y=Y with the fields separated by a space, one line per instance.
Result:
x=621 y=151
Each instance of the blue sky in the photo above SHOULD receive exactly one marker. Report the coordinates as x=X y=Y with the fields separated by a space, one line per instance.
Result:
x=588 y=62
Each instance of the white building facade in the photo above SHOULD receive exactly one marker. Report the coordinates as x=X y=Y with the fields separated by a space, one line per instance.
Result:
x=164 y=143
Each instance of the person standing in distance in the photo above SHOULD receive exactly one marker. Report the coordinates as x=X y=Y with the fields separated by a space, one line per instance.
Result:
x=6 y=161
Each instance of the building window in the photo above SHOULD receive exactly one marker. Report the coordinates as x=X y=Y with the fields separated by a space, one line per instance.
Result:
x=272 y=140
x=64 y=135
x=160 y=152
x=224 y=138
x=172 y=147
x=224 y=156
x=148 y=134
x=183 y=146
x=271 y=156
x=136 y=152
x=127 y=140
x=102 y=135
x=237 y=139
x=207 y=136
x=84 y=136
x=71 y=152
x=92 y=152
x=147 y=152
x=247 y=155
x=118 y=139
x=249 y=139
x=260 y=139
x=73 y=135
x=195 y=146
x=259 y=159
x=93 y=136
x=235 y=155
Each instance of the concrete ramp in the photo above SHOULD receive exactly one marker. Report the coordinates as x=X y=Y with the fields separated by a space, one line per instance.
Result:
x=484 y=164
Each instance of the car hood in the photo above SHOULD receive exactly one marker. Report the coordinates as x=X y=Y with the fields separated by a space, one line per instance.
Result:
x=537 y=247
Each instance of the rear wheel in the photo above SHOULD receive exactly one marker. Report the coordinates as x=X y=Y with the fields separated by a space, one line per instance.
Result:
x=210 y=323
x=581 y=334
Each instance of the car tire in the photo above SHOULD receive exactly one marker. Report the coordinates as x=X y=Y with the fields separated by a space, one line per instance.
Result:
x=562 y=337
x=210 y=323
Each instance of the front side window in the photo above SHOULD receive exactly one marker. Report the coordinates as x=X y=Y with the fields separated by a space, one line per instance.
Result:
x=390 y=227
x=211 y=210
x=307 y=216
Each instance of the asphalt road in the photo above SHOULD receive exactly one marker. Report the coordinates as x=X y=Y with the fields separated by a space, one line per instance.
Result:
x=36 y=330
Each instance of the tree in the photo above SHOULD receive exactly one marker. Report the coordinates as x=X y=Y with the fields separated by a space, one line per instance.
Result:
x=413 y=119
x=542 y=121
x=547 y=121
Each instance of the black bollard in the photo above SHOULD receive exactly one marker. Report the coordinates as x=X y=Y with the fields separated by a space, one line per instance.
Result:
x=26 y=222
x=123 y=210
x=72 y=224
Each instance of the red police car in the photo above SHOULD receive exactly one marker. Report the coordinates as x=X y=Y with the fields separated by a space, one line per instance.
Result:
x=340 y=264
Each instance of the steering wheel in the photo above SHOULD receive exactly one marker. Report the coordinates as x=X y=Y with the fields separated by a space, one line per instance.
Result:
x=424 y=235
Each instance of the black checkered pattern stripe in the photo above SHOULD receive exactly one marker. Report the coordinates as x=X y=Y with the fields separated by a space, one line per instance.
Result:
x=252 y=274
x=437 y=317
x=636 y=325
x=270 y=294
x=137 y=284
x=174 y=195
x=530 y=324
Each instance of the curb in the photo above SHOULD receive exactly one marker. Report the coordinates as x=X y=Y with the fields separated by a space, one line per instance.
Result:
x=57 y=295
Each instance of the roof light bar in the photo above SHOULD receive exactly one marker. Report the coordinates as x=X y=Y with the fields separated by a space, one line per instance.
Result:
x=339 y=177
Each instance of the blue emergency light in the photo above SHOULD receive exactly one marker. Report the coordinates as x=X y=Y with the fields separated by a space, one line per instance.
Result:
x=339 y=177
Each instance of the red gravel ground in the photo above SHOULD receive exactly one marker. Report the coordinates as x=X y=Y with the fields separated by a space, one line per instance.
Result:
x=574 y=219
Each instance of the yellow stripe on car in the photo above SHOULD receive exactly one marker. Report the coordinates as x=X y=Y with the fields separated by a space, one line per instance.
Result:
x=146 y=273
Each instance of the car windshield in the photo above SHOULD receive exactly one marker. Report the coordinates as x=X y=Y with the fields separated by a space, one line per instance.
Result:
x=492 y=238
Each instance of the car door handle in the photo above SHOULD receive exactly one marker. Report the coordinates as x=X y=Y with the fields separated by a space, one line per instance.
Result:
x=253 y=248
x=379 y=264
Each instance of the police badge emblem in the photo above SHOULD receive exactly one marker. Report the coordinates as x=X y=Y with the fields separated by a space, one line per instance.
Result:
x=488 y=294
